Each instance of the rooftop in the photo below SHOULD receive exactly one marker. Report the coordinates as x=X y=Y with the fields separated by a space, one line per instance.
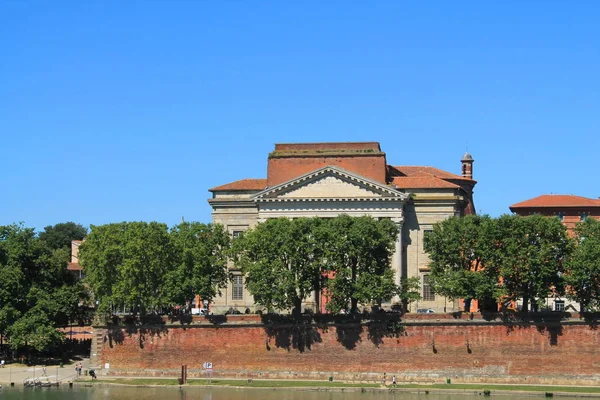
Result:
x=557 y=200
x=326 y=149
x=241 y=185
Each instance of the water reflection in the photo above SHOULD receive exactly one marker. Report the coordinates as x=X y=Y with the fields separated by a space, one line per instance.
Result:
x=132 y=393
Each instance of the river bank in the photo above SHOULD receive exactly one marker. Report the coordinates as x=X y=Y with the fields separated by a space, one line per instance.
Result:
x=470 y=389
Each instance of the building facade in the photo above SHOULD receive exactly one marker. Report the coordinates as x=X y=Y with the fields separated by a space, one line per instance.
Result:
x=570 y=209
x=74 y=267
x=328 y=179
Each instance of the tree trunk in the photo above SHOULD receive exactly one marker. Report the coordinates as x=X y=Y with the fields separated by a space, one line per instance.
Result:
x=467 y=305
x=353 y=305
x=318 y=296
x=297 y=311
x=353 y=301
x=525 y=307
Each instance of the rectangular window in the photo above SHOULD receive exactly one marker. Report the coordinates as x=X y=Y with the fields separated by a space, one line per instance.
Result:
x=237 y=288
x=235 y=234
x=559 y=305
x=427 y=294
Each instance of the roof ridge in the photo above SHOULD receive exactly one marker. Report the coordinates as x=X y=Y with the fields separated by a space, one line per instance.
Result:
x=557 y=200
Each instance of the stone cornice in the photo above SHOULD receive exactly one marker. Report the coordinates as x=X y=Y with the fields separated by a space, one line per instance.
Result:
x=325 y=199
x=377 y=187
x=233 y=203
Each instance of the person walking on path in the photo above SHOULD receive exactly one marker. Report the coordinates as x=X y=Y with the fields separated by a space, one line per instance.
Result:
x=394 y=380
x=43 y=370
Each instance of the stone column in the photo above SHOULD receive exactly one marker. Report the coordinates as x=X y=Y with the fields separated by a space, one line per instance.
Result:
x=397 y=256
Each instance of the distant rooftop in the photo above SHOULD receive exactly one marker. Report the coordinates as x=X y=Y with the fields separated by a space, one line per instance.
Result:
x=557 y=200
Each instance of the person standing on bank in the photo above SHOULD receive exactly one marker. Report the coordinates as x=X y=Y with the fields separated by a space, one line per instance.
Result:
x=394 y=380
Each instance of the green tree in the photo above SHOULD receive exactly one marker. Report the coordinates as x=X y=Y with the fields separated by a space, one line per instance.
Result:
x=530 y=254
x=34 y=330
x=460 y=250
x=199 y=262
x=358 y=252
x=14 y=251
x=126 y=264
x=409 y=291
x=583 y=272
x=282 y=260
x=60 y=235
x=37 y=293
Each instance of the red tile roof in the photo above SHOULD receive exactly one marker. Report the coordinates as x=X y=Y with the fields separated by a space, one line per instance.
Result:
x=422 y=182
x=244 y=184
x=74 y=267
x=403 y=177
x=557 y=200
x=409 y=170
x=423 y=177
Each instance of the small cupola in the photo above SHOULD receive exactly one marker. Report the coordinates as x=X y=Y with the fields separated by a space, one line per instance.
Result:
x=467 y=166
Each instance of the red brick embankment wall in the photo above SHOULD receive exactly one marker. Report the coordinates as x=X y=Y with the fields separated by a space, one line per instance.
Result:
x=424 y=350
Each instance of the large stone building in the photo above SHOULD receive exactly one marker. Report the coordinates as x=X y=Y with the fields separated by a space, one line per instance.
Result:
x=328 y=179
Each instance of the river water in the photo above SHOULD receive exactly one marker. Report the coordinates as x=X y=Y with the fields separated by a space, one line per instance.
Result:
x=175 y=393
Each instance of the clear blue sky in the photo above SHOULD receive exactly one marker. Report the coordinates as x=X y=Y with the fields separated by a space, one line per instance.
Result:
x=132 y=110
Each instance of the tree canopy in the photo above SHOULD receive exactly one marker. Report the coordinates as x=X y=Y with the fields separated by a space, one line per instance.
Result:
x=282 y=259
x=37 y=293
x=583 y=271
x=358 y=251
x=126 y=264
x=286 y=260
x=460 y=250
x=530 y=254
x=145 y=267
x=507 y=258
x=60 y=235
x=199 y=262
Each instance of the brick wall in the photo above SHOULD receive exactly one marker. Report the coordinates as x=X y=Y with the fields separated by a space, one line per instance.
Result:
x=281 y=170
x=290 y=161
x=430 y=349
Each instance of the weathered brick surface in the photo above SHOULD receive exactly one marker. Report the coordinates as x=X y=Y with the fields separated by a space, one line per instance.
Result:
x=281 y=170
x=464 y=350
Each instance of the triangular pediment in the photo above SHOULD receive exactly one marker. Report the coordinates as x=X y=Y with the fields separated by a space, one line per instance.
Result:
x=329 y=183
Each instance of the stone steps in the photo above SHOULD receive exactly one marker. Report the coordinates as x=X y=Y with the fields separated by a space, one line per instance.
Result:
x=96 y=348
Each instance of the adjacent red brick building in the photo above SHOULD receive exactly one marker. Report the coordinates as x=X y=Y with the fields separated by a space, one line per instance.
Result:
x=570 y=209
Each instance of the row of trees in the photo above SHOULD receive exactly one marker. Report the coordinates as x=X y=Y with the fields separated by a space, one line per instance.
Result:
x=148 y=267
x=286 y=260
x=37 y=294
x=513 y=257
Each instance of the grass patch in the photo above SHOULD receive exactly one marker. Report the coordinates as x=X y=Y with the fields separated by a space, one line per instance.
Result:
x=234 y=382
x=525 y=388
x=326 y=384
